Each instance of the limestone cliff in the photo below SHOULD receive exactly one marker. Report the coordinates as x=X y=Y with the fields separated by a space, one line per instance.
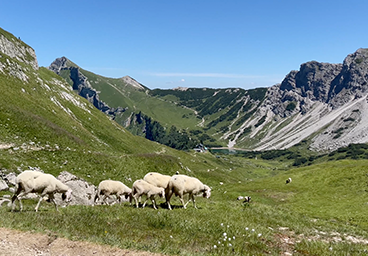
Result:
x=15 y=48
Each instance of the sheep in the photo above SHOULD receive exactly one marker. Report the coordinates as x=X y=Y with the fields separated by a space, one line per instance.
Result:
x=157 y=179
x=142 y=187
x=181 y=185
x=113 y=187
x=288 y=181
x=42 y=184
x=246 y=198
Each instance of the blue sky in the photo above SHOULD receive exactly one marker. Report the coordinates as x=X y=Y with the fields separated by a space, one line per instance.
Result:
x=192 y=43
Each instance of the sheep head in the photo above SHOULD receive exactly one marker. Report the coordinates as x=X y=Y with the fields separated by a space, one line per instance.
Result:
x=67 y=196
x=206 y=191
x=162 y=193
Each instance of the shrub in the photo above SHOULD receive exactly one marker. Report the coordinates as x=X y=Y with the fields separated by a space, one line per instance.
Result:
x=291 y=106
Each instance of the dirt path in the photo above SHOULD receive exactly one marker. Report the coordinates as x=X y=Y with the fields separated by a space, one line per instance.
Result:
x=16 y=243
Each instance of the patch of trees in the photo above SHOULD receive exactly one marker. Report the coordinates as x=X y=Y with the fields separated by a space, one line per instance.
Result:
x=353 y=151
x=173 y=137
x=257 y=94
x=291 y=106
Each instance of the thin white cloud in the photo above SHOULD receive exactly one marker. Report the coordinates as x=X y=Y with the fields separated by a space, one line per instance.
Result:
x=214 y=75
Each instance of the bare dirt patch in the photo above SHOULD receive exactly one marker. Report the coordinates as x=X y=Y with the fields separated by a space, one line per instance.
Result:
x=16 y=243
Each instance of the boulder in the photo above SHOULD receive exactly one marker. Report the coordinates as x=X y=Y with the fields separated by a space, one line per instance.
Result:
x=3 y=185
x=83 y=192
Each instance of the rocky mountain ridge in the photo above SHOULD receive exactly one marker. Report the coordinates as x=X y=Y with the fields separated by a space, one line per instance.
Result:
x=81 y=84
x=321 y=102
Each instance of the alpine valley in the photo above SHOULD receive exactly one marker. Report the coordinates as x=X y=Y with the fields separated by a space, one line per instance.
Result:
x=321 y=104
x=83 y=128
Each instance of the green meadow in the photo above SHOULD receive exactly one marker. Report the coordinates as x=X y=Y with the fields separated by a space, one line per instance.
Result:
x=321 y=212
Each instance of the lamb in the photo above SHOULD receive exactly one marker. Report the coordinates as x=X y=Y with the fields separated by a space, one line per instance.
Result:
x=42 y=184
x=181 y=185
x=157 y=179
x=113 y=187
x=142 y=187
x=288 y=181
x=246 y=198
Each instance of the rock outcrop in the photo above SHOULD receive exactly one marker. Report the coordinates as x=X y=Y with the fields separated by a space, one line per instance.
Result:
x=82 y=85
x=15 y=48
x=83 y=192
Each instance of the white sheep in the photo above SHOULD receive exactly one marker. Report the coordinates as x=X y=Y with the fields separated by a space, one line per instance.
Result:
x=246 y=198
x=288 y=181
x=181 y=185
x=142 y=187
x=113 y=187
x=42 y=184
x=157 y=179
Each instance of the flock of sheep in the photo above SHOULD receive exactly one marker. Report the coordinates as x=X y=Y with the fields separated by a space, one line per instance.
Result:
x=153 y=184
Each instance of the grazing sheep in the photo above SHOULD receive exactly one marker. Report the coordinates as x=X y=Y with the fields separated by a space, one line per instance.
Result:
x=142 y=187
x=113 y=187
x=288 y=180
x=181 y=185
x=42 y=184
x=157 y=179
x=246 y=198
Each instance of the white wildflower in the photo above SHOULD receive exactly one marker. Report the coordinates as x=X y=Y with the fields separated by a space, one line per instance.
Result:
x=246 y=228
x=259 y=234
x=215 y=246
x=224 y=234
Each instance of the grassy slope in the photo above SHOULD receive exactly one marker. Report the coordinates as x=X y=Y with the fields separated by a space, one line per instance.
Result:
x=323 y=198
x=116 y=93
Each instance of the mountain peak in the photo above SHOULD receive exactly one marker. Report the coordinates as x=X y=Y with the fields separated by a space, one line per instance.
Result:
x=131 y=81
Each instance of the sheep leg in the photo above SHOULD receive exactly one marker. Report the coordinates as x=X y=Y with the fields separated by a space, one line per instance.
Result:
x=168 y=197
x=168 y=205
x=97 y=197
x=194 y=203
x=153 y=202
x=144 y=204
x=52 y=198
x=39 y=202
x=182 y=201
x=18 y=196
x=15 y=197
x=136 y=200
x=104 y=199
x=189 y=198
